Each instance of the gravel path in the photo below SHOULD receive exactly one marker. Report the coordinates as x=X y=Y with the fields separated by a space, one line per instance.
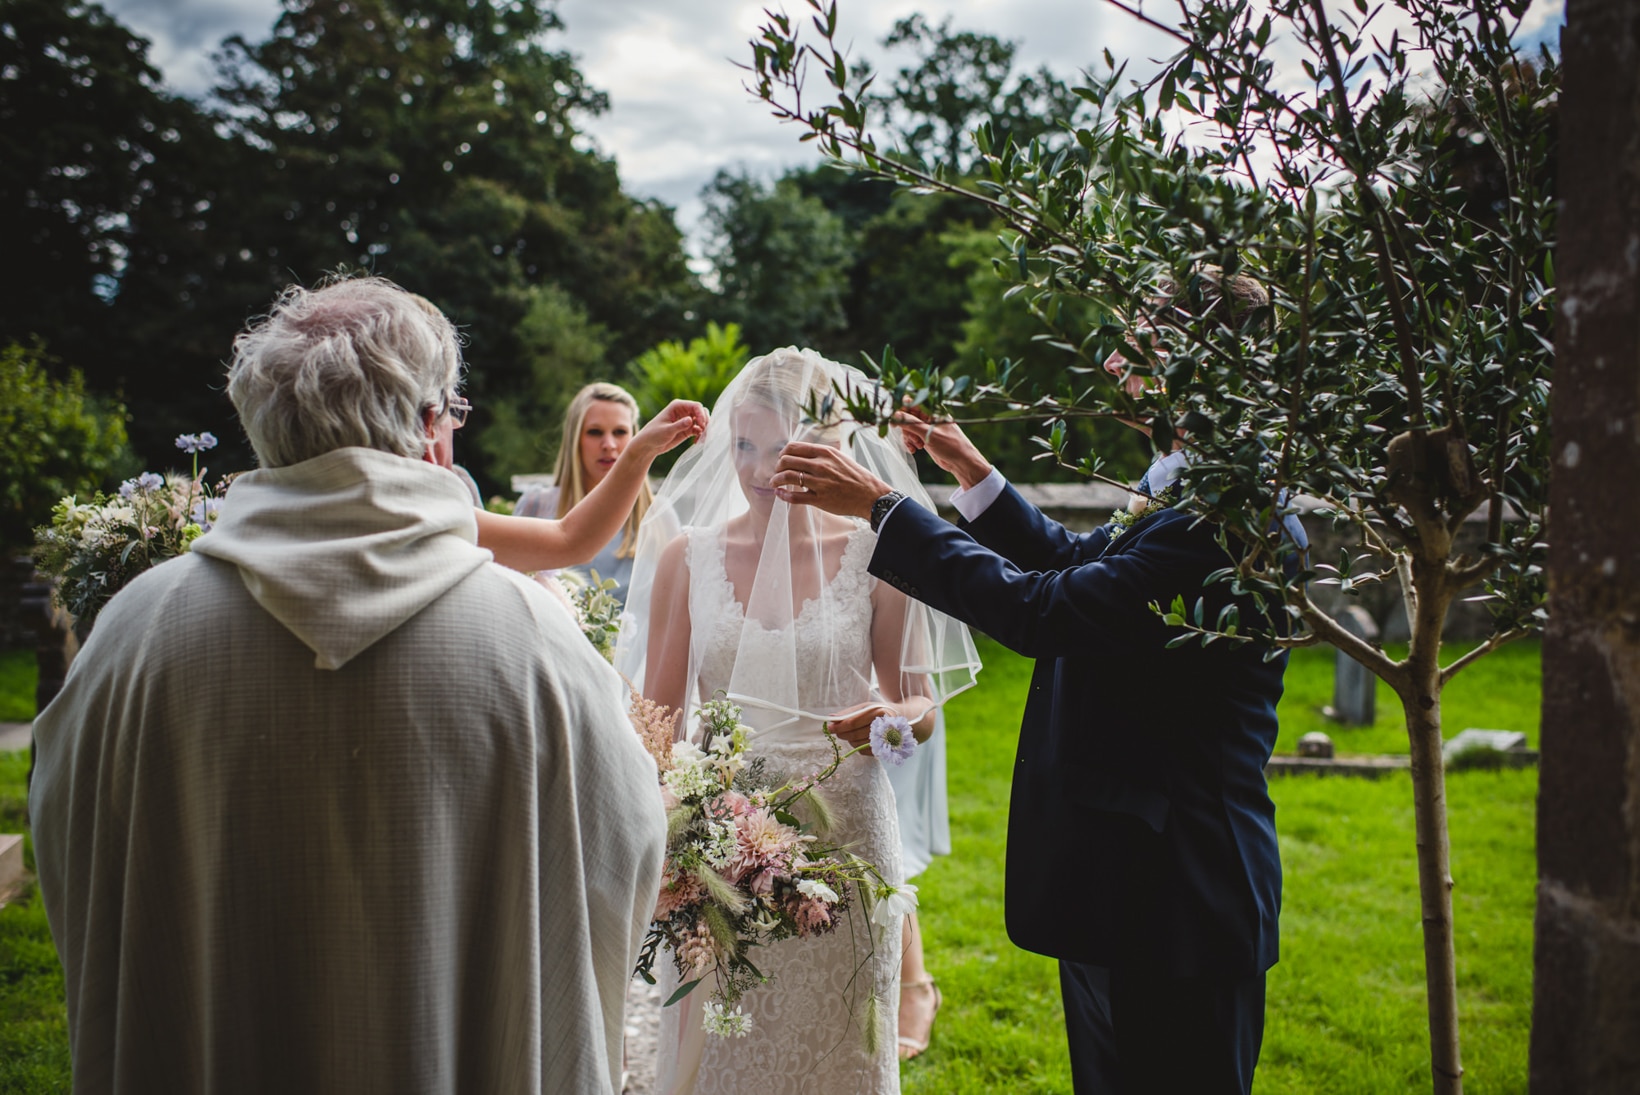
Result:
x=643 y=1023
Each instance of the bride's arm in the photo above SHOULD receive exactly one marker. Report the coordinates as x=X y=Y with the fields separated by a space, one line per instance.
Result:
x=903 y=693
x=525 y=543
x=666 y=662
x=908 y=694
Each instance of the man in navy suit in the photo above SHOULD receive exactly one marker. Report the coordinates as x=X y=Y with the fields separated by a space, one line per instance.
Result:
x=1142 y=846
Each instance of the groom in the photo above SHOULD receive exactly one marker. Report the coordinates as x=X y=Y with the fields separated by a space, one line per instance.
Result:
x=1142 y=847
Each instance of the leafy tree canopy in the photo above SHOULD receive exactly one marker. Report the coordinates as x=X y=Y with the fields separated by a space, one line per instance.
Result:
x=55 y=439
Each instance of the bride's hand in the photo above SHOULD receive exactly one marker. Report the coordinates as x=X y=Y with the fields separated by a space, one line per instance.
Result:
x=681 y=420
x=854 y=724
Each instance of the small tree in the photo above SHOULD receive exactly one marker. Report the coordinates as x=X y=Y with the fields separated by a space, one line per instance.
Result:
x=54 y=440
x=1401 y=218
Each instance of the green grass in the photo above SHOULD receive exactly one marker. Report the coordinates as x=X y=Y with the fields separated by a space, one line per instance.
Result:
x=1346 y=1003
x=33 y=1023
x=18 y=674
x=1498 y=692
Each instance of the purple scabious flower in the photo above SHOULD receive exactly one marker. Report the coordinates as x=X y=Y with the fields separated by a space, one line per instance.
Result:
x=145 y=482
x=196 y=442
x=891 y=739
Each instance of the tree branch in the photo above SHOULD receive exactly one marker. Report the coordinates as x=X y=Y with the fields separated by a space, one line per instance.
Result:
x=1330 y=630
x=1495 y=640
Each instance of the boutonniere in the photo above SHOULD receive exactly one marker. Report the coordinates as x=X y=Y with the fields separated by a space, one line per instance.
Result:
x=1124 y=519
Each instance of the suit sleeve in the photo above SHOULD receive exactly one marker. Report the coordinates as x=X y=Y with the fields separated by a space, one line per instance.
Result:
x=1029 y=538
x=1090 y=605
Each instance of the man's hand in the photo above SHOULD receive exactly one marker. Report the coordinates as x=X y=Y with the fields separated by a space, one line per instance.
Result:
x=680 y=420
x=819 y=475
x=946 y=445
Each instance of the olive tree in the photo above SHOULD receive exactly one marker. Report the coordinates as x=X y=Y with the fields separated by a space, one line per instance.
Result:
x=1396 y=201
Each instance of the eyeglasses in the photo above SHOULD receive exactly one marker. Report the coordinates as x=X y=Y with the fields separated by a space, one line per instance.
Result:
x=458 y=409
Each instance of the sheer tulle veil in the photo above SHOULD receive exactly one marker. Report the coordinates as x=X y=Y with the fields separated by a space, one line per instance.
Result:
x=719 y=488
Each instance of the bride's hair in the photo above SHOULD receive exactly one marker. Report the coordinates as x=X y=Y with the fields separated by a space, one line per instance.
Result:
x=786 y=382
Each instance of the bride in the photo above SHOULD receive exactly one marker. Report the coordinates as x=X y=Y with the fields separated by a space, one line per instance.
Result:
x=772 y=605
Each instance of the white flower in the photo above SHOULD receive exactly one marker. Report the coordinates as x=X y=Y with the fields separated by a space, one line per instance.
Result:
x=894 y=902
x=726 y=1023
x=690 y=781
x=719 y=845
x=811 y=887
x=686 y=752
x=765 y=921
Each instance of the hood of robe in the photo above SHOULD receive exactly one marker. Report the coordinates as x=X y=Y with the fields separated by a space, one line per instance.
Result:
x=343 y=548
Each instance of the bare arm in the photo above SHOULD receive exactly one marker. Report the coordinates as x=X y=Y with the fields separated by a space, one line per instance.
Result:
x=903 y=694
x=667 y=662
x=525 y=543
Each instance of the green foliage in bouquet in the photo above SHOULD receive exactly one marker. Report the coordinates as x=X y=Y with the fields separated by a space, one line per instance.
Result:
x=599 y=613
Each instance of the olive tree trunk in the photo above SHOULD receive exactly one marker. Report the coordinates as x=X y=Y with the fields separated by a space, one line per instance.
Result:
x=1420 y=693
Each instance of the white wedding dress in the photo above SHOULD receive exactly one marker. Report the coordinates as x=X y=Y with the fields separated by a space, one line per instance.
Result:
x=808 y=1022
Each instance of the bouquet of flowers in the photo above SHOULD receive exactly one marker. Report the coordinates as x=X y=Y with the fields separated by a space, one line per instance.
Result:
x=94 y=548
x=595 y=608
x=741 y=870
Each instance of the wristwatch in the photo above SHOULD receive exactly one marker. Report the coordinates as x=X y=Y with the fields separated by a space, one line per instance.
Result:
x=881 y=507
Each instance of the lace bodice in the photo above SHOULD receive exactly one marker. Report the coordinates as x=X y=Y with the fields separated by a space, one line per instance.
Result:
x=833 y=648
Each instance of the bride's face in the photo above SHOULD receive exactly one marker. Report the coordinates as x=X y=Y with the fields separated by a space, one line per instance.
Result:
x=760 y=432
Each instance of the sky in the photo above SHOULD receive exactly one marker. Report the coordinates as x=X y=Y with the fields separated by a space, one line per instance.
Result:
x=678 y=111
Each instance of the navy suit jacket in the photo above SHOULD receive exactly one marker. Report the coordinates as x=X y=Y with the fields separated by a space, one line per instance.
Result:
x=1141 y=834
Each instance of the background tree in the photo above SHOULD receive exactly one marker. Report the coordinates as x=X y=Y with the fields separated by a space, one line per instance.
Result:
x=1405 y=379
x=961 y=79
x=55 y=439
x=434 y=141
x=781 y=259
x=431 y=141
x=104 y=181
x=563 y=349
x=698 y=370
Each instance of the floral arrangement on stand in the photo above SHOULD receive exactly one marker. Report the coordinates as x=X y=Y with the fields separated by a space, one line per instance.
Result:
x=94 y=548
x=742 y=871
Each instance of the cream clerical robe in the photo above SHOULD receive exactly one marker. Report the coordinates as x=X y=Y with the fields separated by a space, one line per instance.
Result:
x=335 y=804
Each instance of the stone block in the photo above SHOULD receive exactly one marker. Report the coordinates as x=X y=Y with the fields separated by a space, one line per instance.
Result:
x=11 y=863
x=1315 y=744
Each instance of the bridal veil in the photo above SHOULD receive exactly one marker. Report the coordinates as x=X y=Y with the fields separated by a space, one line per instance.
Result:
x=719 y=488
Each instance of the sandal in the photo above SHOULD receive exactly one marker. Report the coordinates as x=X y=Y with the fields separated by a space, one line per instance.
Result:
x=909 y=1046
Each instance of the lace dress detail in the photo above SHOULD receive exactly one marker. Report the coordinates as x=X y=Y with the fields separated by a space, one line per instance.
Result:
x=808 y=1023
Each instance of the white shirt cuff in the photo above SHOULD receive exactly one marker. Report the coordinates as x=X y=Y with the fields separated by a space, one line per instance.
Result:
x=978 y=498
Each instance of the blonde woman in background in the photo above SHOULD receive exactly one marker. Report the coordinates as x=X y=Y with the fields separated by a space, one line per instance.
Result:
x=601 y=420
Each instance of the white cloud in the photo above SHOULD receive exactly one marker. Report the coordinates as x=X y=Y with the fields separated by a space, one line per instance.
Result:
x=185 y=33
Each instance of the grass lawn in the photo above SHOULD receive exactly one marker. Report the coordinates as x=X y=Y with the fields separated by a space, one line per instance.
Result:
x=18 y=674
x=1346 y=1003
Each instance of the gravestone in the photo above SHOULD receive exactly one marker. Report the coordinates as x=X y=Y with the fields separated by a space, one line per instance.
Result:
x=1315 y=744
x=1502 y=741
x=1355 y=687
